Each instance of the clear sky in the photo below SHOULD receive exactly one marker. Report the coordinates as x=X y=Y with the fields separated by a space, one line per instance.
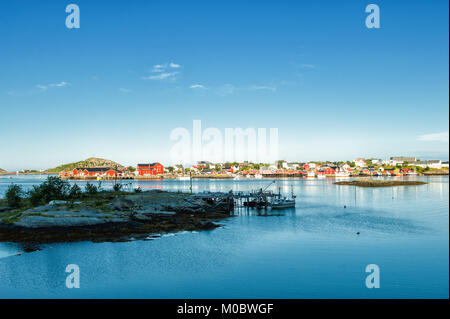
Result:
x=135 y=70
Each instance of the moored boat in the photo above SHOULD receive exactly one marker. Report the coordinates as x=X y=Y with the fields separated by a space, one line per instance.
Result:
x=311 y=175
x=282 y=203
x=341 y=174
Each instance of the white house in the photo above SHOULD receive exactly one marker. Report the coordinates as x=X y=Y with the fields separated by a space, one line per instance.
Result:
x=292 y=166
x=431 y=164
x=178 y=168
x=360 y=162
x=312 y=165
x=400 y=160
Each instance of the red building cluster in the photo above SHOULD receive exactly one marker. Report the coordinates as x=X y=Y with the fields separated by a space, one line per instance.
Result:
x=95 y=171
x=150 y=169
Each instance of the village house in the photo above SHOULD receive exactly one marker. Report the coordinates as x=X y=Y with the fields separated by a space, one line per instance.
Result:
x=431 y=164
x=400 y=160
x=95 y=171
x=292 y=166
x=178 y=168
x=149 y=169
x=329 y=171
x=360 y=162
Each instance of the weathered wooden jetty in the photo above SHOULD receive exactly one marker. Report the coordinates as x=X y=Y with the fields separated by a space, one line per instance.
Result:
x=260 y=198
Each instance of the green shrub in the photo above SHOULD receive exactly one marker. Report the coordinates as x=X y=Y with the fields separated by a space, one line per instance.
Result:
x=117 y=187
x=75 y=192
x=14 y=196
x=138 y=190
x=53 y=188
x=35 y=196
x=91 y=189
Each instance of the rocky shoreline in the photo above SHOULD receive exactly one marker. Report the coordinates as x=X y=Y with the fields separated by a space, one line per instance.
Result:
x=113 y=217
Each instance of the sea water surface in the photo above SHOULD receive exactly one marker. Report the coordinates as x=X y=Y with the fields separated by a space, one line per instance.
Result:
x=312 y=251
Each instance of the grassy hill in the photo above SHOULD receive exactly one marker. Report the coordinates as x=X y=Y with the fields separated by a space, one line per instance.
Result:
x=88 y=163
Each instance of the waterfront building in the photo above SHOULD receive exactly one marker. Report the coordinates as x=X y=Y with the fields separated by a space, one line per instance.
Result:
x=360 y=162
x=149 y=169
x=94 y=171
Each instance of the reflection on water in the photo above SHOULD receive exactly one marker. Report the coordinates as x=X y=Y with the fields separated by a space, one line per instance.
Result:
x=312 y=251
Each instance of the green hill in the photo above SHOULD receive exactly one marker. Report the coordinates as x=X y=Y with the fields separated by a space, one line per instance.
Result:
x=89 y=163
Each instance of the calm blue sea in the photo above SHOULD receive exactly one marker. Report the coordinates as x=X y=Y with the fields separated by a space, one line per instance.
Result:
x=311 y=251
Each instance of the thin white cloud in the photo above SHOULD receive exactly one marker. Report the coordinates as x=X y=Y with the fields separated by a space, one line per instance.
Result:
x=263 y=87
x=197 y=86
x=161 y=76
x=164 y=72
x=124 y=90
x=436 y=137
x=52 y=85
x=60 y=85
x=159 y=67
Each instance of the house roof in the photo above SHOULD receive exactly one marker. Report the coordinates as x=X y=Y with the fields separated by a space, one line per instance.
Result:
x=147 y=164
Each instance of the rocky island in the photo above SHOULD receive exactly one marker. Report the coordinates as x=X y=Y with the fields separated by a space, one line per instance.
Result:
x=378 y=183
x=56 y=212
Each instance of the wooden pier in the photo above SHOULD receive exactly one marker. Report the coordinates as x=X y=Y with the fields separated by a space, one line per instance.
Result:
x=260 y=198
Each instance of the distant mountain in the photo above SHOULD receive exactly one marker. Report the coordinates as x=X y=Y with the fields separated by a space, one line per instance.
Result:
x=2 y=171
x=89 y=163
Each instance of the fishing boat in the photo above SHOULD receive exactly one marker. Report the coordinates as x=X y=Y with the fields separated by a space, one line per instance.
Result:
x=283 y=202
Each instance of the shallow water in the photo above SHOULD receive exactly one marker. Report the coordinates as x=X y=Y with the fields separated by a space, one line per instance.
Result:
x=311 y=251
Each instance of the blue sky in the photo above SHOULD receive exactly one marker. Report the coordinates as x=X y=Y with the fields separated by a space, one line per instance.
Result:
x=135 y=70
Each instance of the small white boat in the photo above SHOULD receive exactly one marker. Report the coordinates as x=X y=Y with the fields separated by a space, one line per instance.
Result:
x=283 y=203
x=321 y=176
x=258 y=176
x=237 y=177
x=341 y=174
x=311 y=175
x=183 y=178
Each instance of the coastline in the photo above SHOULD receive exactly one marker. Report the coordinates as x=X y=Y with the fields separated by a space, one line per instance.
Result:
x=113 y=217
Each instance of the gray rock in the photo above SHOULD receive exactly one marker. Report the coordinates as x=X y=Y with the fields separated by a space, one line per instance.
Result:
x=57 y=202
x=142 y=217
x=121 y=204
x=44 y=222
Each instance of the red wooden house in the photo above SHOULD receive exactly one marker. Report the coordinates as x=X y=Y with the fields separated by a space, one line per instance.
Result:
x=95 y=171
x=150 y=169
x=406 y=171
